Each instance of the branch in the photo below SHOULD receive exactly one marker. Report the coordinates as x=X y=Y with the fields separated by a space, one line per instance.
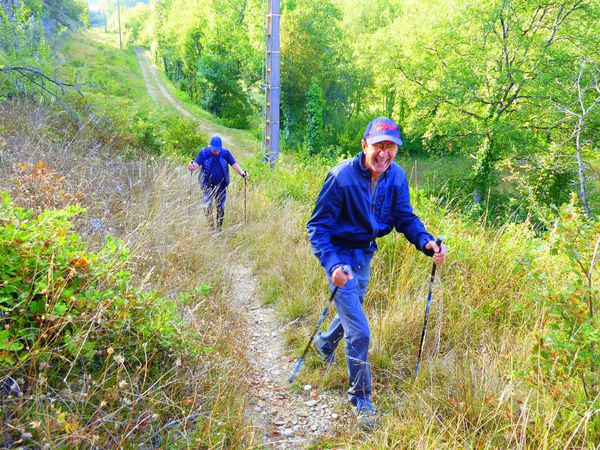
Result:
x=41 y=80
x=560 y=18
x=443 y=99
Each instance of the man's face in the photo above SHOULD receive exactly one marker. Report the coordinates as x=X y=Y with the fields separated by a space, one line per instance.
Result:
x=214 y=152
x=378 y=157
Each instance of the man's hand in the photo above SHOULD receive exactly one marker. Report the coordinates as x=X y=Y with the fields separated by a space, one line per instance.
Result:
x=193 y=166
x=439 y=255
x=245 y=175
x=339 y=278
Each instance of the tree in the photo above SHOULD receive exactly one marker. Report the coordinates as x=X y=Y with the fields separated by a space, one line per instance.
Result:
x=315 y=106
x=587 y=92
x=310 y=45
x=482 y=76
x=205 y=47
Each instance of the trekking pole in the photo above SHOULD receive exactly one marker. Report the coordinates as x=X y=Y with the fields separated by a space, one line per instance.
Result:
x=346 y=270
x=190 y=194
x=245 y=196
x=424 y=330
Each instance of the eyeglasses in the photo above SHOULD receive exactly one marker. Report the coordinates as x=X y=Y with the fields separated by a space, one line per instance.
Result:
x=386 y=148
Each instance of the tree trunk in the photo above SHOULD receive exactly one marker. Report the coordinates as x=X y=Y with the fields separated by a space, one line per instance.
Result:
x=483 y=171
x=582 y=190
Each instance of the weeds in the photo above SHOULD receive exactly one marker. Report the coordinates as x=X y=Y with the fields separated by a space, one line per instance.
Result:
x=115 y=349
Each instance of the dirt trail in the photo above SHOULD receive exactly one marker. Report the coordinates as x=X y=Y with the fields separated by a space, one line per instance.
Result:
x=286 y=418
x=158 y=91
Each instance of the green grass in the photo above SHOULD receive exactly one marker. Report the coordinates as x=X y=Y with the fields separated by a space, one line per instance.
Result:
x=118 y=103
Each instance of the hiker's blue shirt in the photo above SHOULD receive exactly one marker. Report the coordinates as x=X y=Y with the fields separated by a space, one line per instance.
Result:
x=214 y=169
x=349 y=215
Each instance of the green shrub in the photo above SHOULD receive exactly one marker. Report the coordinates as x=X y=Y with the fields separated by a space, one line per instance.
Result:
x=567 y=356
x=55 y=294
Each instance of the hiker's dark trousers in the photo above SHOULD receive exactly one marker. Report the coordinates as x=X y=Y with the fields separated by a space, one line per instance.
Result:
x=215 y=195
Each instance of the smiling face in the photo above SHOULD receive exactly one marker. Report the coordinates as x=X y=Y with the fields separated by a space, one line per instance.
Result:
x=378 y=157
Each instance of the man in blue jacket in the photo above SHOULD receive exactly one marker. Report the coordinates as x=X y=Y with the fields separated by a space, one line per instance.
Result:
x=214 y=161
x=362 y=199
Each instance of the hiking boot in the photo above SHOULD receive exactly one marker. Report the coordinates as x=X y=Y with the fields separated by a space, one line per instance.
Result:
x=365 y=413
x=329 y=358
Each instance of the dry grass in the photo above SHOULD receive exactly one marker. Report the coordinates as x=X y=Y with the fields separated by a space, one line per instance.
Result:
x=482 y=327
x=483 y=323
x=197 y=396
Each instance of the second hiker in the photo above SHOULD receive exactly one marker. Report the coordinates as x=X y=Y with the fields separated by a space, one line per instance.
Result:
x=214 y=161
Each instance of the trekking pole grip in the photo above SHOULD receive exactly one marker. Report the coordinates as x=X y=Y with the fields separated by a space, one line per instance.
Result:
x=438 y=242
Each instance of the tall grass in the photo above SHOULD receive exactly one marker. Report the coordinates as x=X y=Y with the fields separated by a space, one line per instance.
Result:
x=188 y=393
x=487 y=316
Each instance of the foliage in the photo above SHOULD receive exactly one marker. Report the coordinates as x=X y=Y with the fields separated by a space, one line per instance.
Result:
x=68 y=315
x=136 y=25
x=207 y=49
x=312 y=49
x=118 y=100
x=54 y=291
x=315 y=106
x=479 y=80
x=569 y=347
x=223 y=94
x=67 y=13
x=482 y=80
x=22 y=39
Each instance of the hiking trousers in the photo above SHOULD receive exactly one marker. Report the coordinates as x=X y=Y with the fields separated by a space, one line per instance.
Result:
x=351 y=323
x=215 y=196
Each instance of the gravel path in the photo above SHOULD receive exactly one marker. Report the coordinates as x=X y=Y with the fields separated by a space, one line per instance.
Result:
x=286 y=418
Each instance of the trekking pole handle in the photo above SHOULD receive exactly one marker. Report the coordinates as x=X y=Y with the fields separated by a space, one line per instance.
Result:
x=346 y=269
x=438 y=242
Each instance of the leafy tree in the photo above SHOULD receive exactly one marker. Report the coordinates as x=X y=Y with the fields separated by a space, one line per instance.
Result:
x=315 y=106
x=585 y=88
x=205 y=47
x=135 y=25
x=482 y=76
x=310 y=43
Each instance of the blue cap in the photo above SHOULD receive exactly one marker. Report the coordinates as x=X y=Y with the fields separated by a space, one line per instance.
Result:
x=216 y=143
x=382 y=129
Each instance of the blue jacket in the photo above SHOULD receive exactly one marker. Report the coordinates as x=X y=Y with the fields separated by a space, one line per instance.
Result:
x=214 y=169
x=346 y=215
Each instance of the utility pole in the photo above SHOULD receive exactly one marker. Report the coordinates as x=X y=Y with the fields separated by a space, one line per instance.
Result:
x=272 y=80
x=119 y=17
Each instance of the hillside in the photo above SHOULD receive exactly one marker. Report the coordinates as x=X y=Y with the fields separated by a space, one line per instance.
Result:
x=127 y=323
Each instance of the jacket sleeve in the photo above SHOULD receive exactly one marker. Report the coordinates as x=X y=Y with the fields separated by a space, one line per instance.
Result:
x=406 y=222
x=323 y=219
